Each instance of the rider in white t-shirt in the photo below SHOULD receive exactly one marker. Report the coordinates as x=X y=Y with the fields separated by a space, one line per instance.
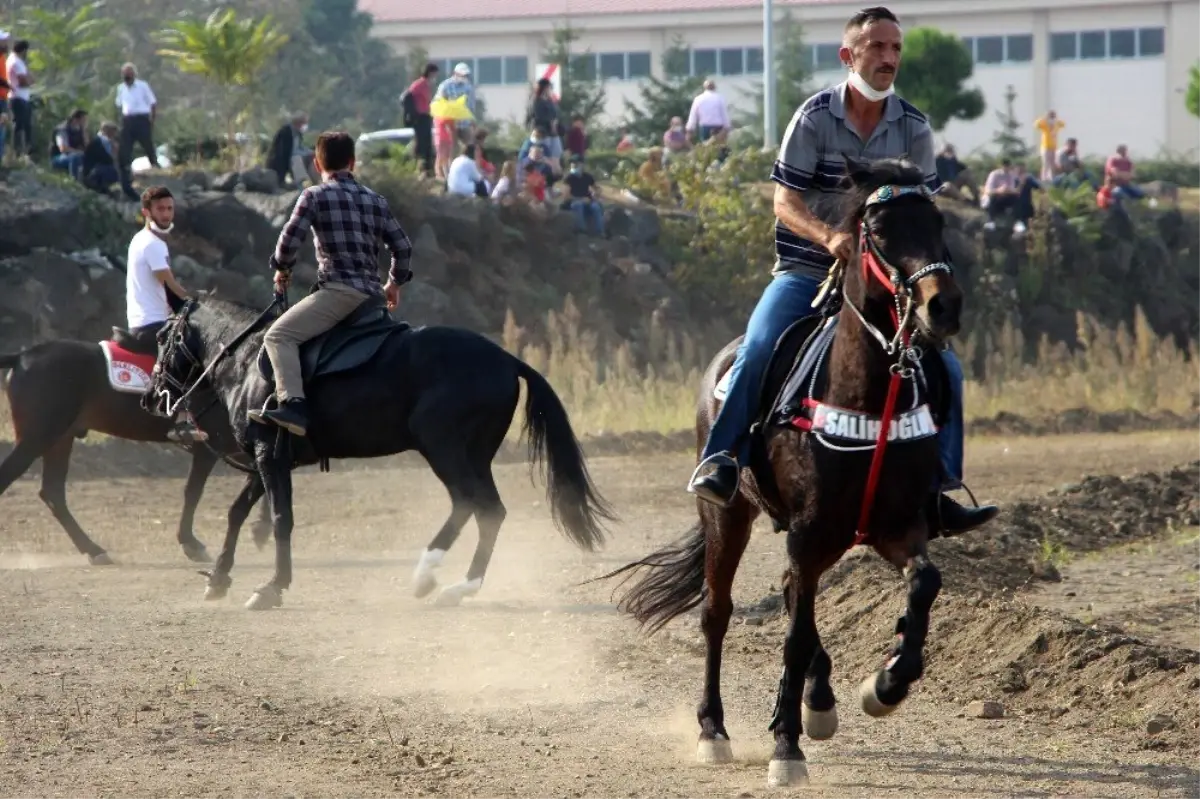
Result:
x=148 y=276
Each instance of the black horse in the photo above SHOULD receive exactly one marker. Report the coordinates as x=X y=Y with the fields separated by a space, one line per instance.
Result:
x=825 y=404
x=376 y=387
x=59 y=391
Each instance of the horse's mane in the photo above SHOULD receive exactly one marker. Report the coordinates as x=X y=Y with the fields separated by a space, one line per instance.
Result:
x=864 y=178
x=231 y=317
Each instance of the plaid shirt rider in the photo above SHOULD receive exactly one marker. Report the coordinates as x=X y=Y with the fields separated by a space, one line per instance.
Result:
x=348 y=220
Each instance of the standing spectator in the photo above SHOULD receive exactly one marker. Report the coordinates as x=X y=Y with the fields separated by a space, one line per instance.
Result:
x=5 y=89
x=288 y=153
x=955 y=175
x=584 y=202
x=455 y=86
x=69 y=143
x=139 y=108
x=21 y=98
x=675 y=140
x=577 y=139
x=999 y=192
x=1119 y=170
x=1049 y=126
x=543 y=117
x=100 y=159
x=464 y=176
x=709 y=113
x=420 y=95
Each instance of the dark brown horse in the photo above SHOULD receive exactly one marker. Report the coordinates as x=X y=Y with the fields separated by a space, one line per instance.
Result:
x=59 y=390
x=813 y=454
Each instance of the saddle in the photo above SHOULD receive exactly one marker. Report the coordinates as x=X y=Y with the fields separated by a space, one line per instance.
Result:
x=126 y=341
x=349 y=344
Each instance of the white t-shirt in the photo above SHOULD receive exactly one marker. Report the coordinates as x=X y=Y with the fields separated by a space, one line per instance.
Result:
x=17 y=67
x=136 y=99
x=146 y=298
x=503 y=187
x=464 y=174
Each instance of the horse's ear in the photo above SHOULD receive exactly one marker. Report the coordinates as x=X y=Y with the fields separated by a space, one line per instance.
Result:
x=858 y=171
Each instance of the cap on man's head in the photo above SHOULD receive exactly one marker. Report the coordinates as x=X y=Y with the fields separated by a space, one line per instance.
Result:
x=461 y=68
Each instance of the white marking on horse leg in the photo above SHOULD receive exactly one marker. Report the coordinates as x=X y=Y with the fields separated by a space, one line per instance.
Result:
x=819 y=725
x=423 y=579
x=871 y=703
x=714 y=751
x=453 y=594
x=781 y=773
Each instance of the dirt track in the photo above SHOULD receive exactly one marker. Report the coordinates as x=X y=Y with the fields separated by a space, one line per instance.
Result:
x=121 y=681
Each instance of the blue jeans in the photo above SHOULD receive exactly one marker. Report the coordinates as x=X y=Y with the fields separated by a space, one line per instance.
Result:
x=788 y=298
x=584 y=209
x=71 y=162
x=3 y=126
x=1130 y=191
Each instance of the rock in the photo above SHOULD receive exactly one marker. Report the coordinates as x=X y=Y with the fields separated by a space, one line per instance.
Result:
x=638 y=225
x=225 y=182
x=226 y=223
x=275 y=208
x=1045 y=570
x=423 y=304
x=35 y=215
x=428 y=259
x=229 y=285
x=260 y=180
x=1159 y=723
x=985 y=709
x=197 y=179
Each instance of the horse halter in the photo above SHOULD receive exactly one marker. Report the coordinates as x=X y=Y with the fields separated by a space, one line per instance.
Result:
x=177 y=344
x=875 y=265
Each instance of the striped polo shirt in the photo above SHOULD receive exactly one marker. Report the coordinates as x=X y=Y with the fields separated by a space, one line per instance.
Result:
x=811 y=162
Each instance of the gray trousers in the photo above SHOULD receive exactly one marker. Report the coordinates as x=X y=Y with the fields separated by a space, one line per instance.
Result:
x=305 y=320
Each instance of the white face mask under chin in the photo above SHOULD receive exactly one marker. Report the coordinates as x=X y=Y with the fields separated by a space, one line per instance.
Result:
x=865 y=89
x=156 y=229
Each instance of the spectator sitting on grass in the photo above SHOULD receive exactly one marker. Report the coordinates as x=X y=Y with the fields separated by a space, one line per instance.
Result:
x=485 y=167
x=464 y=176
x=1025 y=184
x=99 y=168
x=675 y=140
x=68 y=143
x=1119 y=169
x=652 y=177
x=625 y=143
x=584 y=202
x=999 y=192
x=506 y=186
x=536 y=157
x=533 y=189
x=955 y=175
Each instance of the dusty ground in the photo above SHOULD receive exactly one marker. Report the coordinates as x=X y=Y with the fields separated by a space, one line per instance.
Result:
x=121 y=681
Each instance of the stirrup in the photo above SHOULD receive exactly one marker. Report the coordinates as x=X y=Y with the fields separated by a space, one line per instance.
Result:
x=709 y=461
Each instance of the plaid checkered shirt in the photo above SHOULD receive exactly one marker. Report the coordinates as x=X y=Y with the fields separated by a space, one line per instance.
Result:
x=347 y=220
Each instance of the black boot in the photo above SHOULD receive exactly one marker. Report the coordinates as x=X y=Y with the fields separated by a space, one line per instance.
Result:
x=947 y=518
x=721 y=484
x=291 y=416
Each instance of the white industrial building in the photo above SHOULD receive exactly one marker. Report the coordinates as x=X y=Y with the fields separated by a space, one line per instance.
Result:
x=1114 y=72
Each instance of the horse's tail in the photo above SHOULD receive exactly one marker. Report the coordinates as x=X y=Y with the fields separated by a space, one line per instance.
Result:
x=674 y=585
x=575 y=503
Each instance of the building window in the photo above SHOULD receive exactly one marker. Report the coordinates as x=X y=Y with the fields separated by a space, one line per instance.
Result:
x=754 y=60
x=1018 y=48
x=989 y=50
x=516 y=69
x=704 y=63
x=1093 y=44
x=491 y=71
x=732 y=61
x=639 y=65
x=1122 y=43
x=826 y=57
x=1151 y=42
x=612 y=66
x=1064 y=47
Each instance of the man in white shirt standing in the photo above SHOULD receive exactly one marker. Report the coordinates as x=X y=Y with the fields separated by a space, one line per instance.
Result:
x=148 y=276
x=709 y=113
x=20 y=98
x=464 y=176
x=138 y=107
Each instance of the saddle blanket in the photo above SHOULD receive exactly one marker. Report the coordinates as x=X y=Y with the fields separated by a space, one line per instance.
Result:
x=863 y=428
x=127 y=371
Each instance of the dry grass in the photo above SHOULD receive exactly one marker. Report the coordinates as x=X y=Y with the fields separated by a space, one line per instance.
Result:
x=607 y=391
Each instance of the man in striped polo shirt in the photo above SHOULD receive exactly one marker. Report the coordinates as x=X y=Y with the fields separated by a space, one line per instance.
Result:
x=862 y=118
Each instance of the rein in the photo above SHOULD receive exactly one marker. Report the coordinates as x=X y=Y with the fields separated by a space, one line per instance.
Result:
x=876 y=266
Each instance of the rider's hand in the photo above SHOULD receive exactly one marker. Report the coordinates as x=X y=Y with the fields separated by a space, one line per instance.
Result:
x=391 y=291
x=282 y=279
x=841 y=245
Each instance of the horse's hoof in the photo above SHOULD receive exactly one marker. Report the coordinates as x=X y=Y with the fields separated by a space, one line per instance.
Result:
x=781 y=773
x=265 y=598
x=424 y=584
x=714 y=751
x=215 y=592
x=453 y=595
x=871 y=704
x=101 y=559
x=819 y=725
x=196 y=552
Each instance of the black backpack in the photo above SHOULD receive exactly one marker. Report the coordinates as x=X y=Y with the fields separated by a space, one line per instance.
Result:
x=409 y=104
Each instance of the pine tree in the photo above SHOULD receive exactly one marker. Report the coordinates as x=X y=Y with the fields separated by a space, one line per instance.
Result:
x=793 y=76
x=582 y=94
x=1008 y=138
x=663 y=99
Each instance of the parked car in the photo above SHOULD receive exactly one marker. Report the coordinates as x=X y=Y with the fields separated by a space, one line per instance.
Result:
x=377 y=143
